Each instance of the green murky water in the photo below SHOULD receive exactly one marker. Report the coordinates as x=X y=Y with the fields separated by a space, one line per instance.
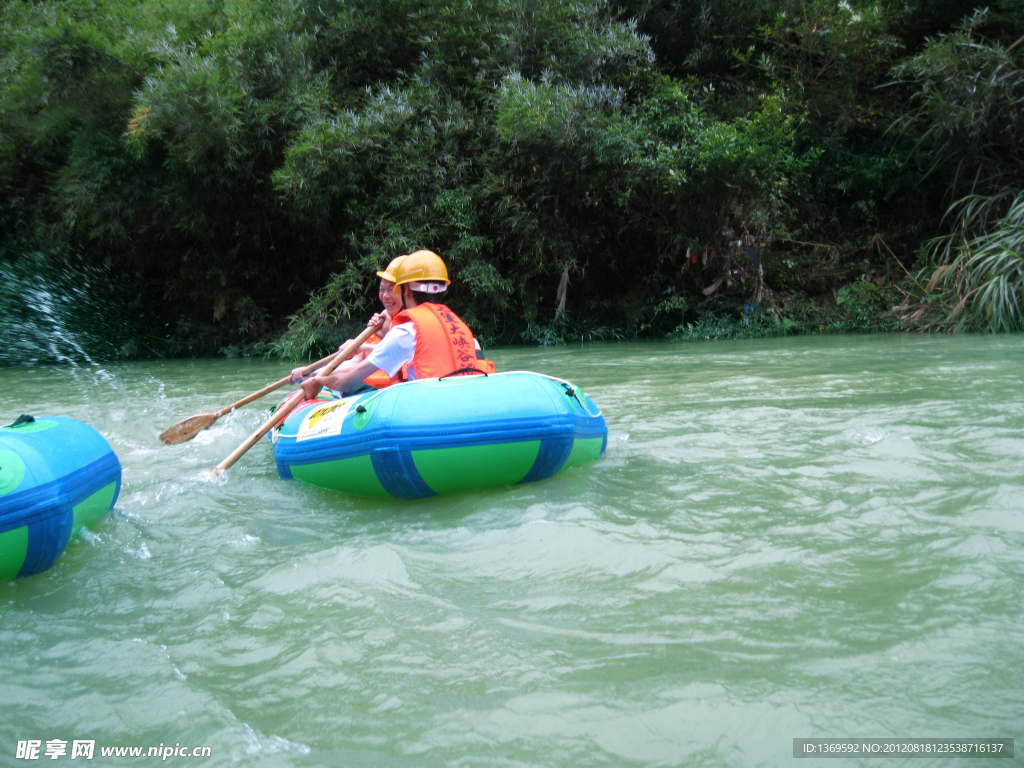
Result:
x=816 y=537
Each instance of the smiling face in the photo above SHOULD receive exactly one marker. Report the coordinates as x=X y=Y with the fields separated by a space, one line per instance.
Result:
x=392 y=304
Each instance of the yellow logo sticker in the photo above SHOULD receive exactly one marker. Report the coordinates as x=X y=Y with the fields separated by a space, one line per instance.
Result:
x=319 y=413
x=324 y=420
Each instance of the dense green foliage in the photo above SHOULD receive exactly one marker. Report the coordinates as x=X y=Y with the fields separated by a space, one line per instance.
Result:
x=588 y=169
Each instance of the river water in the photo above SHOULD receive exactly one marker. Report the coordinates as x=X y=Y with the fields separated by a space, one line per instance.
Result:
x=792 y=538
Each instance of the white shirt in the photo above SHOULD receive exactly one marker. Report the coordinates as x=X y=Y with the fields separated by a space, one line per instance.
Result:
x=395 y=349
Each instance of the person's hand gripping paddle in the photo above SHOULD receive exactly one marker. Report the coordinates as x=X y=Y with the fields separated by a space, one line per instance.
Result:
x=193 y=425
x=294 y=399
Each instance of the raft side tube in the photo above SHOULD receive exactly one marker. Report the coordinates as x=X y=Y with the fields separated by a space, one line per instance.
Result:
x=57 y=476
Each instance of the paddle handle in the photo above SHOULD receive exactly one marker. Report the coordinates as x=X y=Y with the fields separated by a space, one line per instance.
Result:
x=294 y=399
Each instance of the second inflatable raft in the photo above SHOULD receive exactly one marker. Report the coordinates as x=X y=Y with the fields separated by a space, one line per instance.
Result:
x=57 y=476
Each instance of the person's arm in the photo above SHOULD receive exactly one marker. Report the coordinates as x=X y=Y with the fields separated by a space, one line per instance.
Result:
x=389 y=356
x=297 y=373
x=298 y=376
x=385 y=326
x=338 y=379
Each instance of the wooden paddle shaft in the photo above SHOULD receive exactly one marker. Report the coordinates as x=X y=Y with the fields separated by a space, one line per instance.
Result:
x=295 y=398
x=271 y=387
x=285 y=408
x=351 y=349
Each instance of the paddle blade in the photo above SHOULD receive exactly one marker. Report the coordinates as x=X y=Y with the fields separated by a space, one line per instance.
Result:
x=189 y=428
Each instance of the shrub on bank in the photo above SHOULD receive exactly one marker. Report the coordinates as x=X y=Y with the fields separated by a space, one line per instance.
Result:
x=251 y=165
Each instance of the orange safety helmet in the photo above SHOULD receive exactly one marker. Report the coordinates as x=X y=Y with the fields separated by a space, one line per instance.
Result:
x=422 y=271
x=389 y=272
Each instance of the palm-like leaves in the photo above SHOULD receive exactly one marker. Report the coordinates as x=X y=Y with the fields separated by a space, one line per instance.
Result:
x=988 y=270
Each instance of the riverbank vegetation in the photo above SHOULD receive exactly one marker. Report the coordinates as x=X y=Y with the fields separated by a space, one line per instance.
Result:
x=596 y=169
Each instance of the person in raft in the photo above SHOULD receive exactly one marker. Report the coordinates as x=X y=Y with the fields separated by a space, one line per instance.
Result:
x=392 y=306
x=426 y=340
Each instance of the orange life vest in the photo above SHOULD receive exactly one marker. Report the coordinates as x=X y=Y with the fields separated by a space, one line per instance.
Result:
x=444 y=344
x=378 y=379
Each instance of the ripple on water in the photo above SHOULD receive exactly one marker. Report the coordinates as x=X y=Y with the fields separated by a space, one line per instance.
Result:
x=795 y=538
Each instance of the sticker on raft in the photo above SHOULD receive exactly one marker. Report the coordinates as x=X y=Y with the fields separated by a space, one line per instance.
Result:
x=324 y=420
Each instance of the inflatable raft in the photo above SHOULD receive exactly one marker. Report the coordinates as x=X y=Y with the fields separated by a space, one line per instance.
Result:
x=441 y=436
x=57 y=476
